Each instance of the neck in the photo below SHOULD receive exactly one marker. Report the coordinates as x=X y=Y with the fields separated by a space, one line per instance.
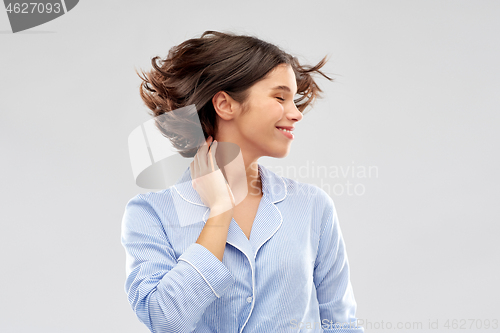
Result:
x=250 y=161
x=253 y=178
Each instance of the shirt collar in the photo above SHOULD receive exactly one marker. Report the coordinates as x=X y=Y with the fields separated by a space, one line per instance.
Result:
x=266 y=223
x=273 y=187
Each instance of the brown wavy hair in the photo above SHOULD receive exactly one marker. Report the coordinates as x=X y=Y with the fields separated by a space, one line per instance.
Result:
x=195 y=70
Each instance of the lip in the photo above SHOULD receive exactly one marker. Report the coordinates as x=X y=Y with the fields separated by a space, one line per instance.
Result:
x=290 y=128
x=288 y=135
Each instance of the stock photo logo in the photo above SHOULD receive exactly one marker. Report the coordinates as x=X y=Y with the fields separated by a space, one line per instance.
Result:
x=26 y=15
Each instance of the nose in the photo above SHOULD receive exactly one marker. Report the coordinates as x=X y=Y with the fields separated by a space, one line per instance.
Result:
x=293 y=113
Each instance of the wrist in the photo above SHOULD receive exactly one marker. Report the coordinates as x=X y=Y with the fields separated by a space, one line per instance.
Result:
x=221 y=208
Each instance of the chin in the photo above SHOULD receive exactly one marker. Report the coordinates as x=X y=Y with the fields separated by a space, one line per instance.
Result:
x=281 y=153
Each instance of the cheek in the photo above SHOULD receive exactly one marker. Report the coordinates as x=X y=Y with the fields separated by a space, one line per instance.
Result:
x=264 y=117
x=274 y=110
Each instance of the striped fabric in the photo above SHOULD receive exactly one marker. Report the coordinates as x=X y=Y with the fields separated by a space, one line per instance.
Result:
x=292 y=275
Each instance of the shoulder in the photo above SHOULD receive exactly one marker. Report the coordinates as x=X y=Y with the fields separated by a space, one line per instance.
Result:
x=150 y=204
x=317 y=203
x=305 y=192
x=152 y=198
x=306 y=202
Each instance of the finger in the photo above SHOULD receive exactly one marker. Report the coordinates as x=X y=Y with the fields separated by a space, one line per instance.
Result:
x=212 y=151
x=210 y=142
x=195 y=173
x=203 y=153
x=206 y=143
x=199 y=162
x=191 y=169
x=204 y=147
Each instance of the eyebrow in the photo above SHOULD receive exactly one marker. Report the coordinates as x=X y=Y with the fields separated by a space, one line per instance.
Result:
x=285 y=88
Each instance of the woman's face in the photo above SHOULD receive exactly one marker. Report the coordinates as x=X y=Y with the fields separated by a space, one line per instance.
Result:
x=270 y=105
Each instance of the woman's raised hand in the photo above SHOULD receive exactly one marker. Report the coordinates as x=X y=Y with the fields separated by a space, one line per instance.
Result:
x=208 y=180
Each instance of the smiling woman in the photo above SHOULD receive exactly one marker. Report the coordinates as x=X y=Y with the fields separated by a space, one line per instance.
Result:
x=195 y=70
x=268 y=261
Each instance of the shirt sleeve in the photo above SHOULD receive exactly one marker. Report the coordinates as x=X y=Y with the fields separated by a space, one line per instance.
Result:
x=331 y=277
x=167 y=294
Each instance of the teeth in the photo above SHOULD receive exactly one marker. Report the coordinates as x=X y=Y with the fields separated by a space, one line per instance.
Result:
x=282 y=129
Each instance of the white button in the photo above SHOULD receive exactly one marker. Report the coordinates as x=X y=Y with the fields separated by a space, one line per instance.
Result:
x=249 y=299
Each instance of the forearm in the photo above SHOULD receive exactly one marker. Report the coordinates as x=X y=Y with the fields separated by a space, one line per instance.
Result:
x=167 y=293
x=178 y=300
x=214 y=235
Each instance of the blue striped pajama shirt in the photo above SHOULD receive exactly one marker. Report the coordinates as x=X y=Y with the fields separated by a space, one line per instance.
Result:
x=292 y=275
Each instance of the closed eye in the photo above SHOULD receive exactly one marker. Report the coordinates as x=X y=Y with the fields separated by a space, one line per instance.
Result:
x=281 y=99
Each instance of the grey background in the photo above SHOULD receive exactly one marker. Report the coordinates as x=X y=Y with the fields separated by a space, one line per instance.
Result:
x=416 y=96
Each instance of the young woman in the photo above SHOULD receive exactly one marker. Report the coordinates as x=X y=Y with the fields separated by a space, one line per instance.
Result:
x=233 y=247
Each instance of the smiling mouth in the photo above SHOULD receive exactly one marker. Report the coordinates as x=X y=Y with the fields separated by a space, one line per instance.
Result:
x=287 y=133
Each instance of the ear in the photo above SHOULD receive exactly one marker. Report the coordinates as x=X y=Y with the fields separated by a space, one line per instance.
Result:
x=224 y=105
